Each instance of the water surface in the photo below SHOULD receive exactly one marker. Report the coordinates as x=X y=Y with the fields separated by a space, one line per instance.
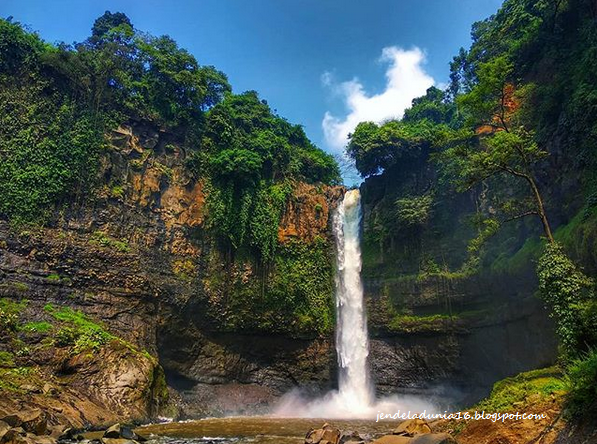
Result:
x=254 y=429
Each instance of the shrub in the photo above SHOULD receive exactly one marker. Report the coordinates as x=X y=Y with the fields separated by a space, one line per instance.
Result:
x=9 y=314
x=525 y=388
x=582 y=381
x=567 y=291
x=65 y=337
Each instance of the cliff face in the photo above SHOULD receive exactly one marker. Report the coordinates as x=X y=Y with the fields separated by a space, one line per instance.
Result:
x=136 y=276
x=437 y=324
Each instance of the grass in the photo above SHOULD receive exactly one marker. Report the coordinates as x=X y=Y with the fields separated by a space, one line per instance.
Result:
x=37 y=327
x=117 y=192
x=411 y=323
x=582 y=381
x=10 y=312
x=6 y=359
x=102 y=239
x=81 y=332
x=164 y=170
x=525 y=390
x=13 y=379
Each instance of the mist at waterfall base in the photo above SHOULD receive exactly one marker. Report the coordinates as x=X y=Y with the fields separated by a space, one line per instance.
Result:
x=355 y=397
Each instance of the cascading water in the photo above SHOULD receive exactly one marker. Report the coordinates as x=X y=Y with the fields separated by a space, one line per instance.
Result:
x=352 y=341
x=355 y=397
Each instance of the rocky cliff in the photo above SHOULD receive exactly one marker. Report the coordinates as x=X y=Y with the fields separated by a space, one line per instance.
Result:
x=443 y=320
x=130 y=290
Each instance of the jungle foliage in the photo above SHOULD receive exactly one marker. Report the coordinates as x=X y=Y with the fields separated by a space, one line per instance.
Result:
x=58 y=101
x=517 y=120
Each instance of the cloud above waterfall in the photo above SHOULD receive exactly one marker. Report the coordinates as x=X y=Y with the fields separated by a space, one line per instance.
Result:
x=405 y=80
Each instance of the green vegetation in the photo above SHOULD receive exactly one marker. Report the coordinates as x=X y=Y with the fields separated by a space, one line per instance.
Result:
x=300 y=280
x=582 y=375
x=102 y=239
x=256 y=156
x=525 y=390
x=570 y=295
x=411 y=323
x=37 y=327
x=58 y=103
x=11 y=379
x=517 y=121
x=6 y=359
x=9 y=314
x=79 y=331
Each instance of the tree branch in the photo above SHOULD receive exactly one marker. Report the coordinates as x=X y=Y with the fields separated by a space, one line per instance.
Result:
x=520 y=216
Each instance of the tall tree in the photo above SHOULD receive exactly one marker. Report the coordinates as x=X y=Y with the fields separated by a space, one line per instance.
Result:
x=497 y=143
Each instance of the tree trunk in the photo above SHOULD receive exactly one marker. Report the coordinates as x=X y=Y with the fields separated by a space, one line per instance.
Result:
x=541 y=210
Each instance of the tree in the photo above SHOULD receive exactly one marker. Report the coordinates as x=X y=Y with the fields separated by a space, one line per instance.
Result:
x=19 y=50
x=107 y=22
x=497 y=145
x=375 y=148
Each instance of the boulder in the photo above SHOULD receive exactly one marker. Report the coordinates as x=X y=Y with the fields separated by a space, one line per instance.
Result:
x=4 y=428
x=60 y=432
x=121 y=432
x=113 y=431
x=351 y=438
x=327 y=434
x=13 y=436
x=43 y=439
x=13 y=420
x=33 y=421
x=434 y=438
x=49 y=390
x=393 y=439
x=412 y=427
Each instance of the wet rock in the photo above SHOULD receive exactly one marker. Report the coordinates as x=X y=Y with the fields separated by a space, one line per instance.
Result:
x=117 y=441
x=4 y=428
x=121 y=433
x=327 y=434
x=13 y=420
x=60 y=432
x=412 y=427
x=351 y=438
x=393 y=439
x=434 y=438
x=33 y=421
x=12 y=435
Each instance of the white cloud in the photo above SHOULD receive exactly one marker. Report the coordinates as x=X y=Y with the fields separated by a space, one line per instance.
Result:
x=405 y=80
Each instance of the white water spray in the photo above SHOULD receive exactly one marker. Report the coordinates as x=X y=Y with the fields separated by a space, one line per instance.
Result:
x=352 y=341
x=355 y=397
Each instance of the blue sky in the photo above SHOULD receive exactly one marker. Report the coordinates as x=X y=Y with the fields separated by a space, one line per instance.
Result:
x=305 y=57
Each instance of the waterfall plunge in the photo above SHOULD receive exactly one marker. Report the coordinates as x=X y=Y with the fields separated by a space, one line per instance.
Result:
x=355 y=396
x=352 y=341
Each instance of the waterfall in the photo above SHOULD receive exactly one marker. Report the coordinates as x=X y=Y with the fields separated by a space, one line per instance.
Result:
x=355 y=395
x=352 y=342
